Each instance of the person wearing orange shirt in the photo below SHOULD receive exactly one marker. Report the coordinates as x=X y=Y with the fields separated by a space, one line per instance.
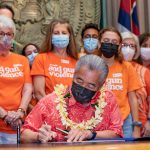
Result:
x=56 y=62
x=122 y=80
x=144 y=58
x=15 y=83
x=89 y=39
x=31 y=50
x=131 y=50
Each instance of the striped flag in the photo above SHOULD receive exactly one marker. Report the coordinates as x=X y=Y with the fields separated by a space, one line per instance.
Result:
x=128 y=18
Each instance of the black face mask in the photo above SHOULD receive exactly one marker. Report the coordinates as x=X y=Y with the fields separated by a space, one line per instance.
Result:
x=109 y=49
x=81 y=94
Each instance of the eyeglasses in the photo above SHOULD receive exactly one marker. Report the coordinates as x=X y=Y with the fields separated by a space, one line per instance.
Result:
x=2 y=34
x=128 y=45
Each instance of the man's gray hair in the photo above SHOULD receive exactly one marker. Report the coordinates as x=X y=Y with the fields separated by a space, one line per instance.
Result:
x=93 y=62
x=6 y=22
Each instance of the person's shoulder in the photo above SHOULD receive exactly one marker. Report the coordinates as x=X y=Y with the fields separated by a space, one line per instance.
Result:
x=18 y=56
x=110 y=96
x=49 y=99
x=44 y=55
x=127 y=65
x=109 y=93
x=139 y=66
x=73 y=60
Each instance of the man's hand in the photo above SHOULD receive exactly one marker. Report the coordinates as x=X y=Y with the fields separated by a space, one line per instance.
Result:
x=146 y=129
x=45 y=134
x=75 y=135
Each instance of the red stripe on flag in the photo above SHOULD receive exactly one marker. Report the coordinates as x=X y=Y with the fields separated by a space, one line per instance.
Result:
x=125 y=5
x=135 y=29
x=132 y=2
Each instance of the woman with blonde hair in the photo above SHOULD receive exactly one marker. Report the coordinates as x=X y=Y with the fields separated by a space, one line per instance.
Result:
x=56 y=62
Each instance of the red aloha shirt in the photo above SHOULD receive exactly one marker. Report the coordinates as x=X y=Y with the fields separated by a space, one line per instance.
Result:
x=45 y=111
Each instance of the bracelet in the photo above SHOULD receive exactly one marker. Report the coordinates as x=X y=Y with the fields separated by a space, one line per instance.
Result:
x=137 y=123
x=22 y=110
x=148 y=119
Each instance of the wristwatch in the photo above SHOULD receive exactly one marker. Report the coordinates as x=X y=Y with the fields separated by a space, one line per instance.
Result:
x=93 y=135
x=137 y=123
x=148 y=119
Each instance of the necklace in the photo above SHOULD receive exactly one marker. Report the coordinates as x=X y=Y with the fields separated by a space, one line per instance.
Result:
x=62 y=105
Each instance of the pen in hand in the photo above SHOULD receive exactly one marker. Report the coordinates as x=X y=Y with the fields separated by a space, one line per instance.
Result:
x=52 y=133
x=45 y=123
x=63 y=131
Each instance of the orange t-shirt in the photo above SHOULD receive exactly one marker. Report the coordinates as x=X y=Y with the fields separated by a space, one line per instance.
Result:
x=148 y=66
x=147 y=81
x=56 y=70
x=144 y=75
x=14 y=73
x=122 y=79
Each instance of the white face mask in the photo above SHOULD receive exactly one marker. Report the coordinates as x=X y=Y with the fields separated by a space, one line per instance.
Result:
x=128 y=53
x=145 y=53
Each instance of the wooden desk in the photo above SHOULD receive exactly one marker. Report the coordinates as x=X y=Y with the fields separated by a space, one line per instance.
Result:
x=81 y=146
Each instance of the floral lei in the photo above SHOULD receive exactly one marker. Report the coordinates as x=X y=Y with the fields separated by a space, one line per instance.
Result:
x=61 y=107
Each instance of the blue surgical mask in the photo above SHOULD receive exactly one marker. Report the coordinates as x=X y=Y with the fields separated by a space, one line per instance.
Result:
x=31 y=57
x=90 y=44
x=60 y=41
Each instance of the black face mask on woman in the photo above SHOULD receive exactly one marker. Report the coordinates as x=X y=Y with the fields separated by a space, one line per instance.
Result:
x=109 y=49
x=81 y=94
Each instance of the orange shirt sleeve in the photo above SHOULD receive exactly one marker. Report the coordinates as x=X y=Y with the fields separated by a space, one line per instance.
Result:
x=38 y=66
x=133 y=79
x=147 y=81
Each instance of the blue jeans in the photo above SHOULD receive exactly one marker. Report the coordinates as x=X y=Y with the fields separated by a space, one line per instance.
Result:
x=6 y=138
x=127 y=127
